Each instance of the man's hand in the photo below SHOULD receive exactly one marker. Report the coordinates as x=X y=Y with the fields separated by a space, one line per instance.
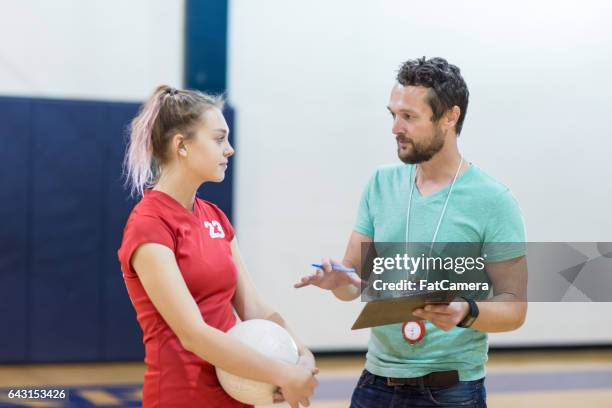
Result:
x=329 y=279
x=444 y=316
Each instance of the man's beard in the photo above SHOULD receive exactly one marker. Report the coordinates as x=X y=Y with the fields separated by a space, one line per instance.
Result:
x=422 y=152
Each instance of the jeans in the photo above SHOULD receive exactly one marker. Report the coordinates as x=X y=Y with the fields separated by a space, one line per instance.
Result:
x=372 y=391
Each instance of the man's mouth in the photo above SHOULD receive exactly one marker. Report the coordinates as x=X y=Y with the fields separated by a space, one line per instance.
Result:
x=404 y=143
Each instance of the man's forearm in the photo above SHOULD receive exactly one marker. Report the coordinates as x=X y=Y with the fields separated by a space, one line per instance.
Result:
x=500 y=314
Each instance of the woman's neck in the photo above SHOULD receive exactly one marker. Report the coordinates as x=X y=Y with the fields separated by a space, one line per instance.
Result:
x=178 y=188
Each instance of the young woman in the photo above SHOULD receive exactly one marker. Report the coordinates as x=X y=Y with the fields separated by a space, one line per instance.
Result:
x=182 y=266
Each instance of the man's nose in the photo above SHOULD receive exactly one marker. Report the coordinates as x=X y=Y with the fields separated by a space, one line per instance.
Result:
x=396 y=129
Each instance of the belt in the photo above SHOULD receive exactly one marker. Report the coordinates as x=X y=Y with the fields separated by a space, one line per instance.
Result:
x=435 y=379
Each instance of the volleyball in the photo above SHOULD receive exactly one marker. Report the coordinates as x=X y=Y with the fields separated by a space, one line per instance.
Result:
x=271 y=340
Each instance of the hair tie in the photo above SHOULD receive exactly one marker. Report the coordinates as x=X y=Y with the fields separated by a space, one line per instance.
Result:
x=172 y=91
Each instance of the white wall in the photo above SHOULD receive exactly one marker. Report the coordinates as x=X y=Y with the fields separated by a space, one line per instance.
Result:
x=310 y=82
x=103 y=50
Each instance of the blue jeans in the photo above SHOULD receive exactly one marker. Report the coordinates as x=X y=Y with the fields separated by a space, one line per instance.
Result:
x=372 y=391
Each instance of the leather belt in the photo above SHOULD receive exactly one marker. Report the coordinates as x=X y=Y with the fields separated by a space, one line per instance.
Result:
x=435 y=379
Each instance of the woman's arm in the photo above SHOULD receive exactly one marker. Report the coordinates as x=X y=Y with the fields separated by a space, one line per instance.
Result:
x=249 y=305
x=161 y=278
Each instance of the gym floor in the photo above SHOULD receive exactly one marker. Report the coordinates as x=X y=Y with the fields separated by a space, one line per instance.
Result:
x=514 y=380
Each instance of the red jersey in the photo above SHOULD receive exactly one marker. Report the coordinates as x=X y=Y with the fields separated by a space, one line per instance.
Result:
x=201 y=242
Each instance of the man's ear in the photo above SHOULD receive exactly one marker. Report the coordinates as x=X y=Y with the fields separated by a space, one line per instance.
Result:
x=452 y=117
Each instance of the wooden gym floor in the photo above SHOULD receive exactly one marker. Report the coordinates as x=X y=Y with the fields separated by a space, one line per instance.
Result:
x=514 y=380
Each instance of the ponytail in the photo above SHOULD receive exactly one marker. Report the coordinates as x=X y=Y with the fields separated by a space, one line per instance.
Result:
x=138 y=163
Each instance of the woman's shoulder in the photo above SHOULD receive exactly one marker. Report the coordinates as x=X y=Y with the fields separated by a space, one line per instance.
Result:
x=149 y=213
x=147 y=223
x=209 y=206
x=151 y=205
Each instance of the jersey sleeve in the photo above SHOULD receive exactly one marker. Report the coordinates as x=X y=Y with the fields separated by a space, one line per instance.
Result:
x=504 y=234
x=141 y=230
x=365 y=223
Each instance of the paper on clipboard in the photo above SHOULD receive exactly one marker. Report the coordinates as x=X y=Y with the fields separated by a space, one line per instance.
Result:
x=398 y=310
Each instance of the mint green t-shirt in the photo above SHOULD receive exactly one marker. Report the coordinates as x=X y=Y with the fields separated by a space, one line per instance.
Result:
x=480 y=210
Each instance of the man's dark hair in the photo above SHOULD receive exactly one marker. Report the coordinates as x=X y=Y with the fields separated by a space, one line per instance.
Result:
x=447 y=87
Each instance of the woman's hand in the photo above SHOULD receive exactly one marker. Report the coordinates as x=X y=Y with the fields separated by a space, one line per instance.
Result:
x=298 y=385
x=307 y=359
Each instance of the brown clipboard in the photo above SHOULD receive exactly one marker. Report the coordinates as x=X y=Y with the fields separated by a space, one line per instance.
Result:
x=398 y=310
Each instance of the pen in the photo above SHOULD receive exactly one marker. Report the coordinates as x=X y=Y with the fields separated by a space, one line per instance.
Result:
x=336 y=267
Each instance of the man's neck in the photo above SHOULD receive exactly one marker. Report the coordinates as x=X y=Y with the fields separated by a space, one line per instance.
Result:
x=442 y=167
x=438 y=169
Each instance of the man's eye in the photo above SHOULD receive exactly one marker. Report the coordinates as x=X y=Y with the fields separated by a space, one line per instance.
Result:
x=406 y=116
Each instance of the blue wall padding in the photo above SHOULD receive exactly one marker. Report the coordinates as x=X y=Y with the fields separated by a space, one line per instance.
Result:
x=206 y=45
x=63 y=208
x=121 y=338
x=68 y=155
x=14 y=173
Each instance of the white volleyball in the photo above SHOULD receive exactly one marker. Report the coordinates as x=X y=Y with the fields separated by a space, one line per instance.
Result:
x=269 y=339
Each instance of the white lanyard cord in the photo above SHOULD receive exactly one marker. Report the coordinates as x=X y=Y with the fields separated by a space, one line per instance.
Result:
x=433 y=240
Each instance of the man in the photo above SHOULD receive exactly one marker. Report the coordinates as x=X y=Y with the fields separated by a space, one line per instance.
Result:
x=435 y=196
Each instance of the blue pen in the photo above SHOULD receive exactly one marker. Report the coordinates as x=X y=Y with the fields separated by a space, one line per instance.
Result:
x=336 y=267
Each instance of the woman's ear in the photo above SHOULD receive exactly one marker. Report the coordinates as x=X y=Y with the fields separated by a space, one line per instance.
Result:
x=178 y=145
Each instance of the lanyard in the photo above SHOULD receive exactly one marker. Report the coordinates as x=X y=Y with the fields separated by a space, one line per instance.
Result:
x=450 y=191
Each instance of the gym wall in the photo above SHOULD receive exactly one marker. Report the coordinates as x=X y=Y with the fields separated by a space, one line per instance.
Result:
x=311 y=81
x=102 y=50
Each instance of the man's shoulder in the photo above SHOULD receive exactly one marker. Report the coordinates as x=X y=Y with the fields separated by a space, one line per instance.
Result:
x=487 y=184
x=393 y=167
x=390 y=171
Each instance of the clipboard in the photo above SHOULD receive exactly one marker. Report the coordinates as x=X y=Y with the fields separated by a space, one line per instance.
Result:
x=398 y=310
